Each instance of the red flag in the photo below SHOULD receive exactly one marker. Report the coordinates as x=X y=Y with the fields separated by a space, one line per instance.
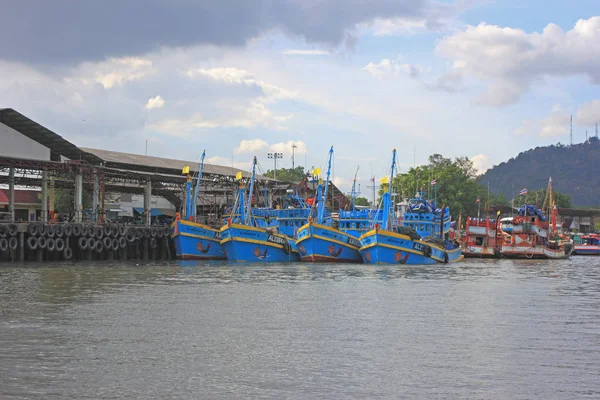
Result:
x=477 y=201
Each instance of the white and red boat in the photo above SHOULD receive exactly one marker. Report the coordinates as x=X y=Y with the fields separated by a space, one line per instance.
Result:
x=590 y=245
x=481 y=238
x=533 y=236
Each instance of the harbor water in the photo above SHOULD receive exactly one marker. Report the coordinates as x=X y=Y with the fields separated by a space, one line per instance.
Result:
x=500 y=329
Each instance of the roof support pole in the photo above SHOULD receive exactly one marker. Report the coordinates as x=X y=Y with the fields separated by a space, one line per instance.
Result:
x=96 y=198
x=102 y=214
x=44 y=195
x=51 y=197
x=147 y=205
x=78 y=197
x=11 y=193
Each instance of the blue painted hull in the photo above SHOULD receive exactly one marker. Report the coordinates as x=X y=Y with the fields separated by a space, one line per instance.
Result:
x=382 y=247
x=196 y=241
x=319 y=243
x=247 y=244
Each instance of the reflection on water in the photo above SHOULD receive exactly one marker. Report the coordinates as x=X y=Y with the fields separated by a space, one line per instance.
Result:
x=498 y=329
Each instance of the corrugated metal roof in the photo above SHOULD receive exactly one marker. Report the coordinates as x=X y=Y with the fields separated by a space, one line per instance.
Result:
x=57 y=144
x=139 y=160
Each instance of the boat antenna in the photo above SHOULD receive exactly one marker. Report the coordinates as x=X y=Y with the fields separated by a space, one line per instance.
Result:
x=249 y=206
x=200 y=169
x=571 y=130
x=321 y=209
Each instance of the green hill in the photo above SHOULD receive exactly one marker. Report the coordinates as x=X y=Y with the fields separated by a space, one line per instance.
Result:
x=575 y=170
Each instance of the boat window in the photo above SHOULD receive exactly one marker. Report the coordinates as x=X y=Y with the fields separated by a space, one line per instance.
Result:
x=478 y=240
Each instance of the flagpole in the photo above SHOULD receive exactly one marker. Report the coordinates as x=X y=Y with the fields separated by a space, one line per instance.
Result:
x=435 y=195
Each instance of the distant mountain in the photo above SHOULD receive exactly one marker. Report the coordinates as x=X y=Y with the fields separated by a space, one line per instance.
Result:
x=575 y=170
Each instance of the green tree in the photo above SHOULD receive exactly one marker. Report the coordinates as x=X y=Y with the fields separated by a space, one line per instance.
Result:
x=287 y=174
x=360 y=201
x=456 y=185
x=537 y=197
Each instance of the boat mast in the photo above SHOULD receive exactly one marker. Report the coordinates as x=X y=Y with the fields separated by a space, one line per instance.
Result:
x=200 y=168
x=321 y=209
x=249 y=206
x=388 y=195
x=354 y=193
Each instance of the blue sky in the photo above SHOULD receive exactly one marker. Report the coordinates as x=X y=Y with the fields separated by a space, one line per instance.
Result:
x=476 y=78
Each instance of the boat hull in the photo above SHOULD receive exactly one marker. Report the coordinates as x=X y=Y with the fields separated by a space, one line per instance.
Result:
x=382 y=247
x=247 y=244
x=320 y=243
x=529 y=252
x=480 y=252
x=195 y=241
x=586 y=250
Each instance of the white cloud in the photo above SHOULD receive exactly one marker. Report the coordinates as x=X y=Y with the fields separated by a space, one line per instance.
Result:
x=555 y=124
x=528 y=127
x=589 y=113
x=257 y=145
x=398 y=26
x=386 y=66
x=511 y=59
x=482 y=163
x=238 y=76
x=286 y=147
x=250 y=146
x=155 y=102
x=256 y=114
x=294 y=52
x=227 y=162
x=117 y=71
x=340 y=181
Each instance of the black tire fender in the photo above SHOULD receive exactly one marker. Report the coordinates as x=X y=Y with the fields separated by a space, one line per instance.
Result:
x=67 y=253
x=82 y=243
x=50 y=244
x=32 y=243
x=13 y=229
x=427 y=250
x=60 y=244
x=41 y=241
x=50 y=231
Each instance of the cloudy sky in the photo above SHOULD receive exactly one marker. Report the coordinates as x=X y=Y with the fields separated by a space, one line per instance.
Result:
x=479 y=78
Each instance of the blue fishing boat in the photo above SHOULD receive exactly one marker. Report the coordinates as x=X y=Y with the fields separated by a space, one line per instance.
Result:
x=420 y=240
x=356 y=221
x=194 y=241
x=251 y=240
x=319 y=241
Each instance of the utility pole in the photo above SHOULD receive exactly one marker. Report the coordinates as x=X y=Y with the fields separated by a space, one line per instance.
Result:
x=275 y=156
x=373 y=187
x=293 y=153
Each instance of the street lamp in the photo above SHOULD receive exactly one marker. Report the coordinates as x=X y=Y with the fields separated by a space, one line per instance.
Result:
x=275 y=156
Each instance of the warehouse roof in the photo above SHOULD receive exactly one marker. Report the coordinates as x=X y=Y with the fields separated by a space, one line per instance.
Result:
x=117 y=159
x=57 y=144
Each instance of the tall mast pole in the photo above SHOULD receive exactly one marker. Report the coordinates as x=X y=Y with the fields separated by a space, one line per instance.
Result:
x=249 y=206
x=200 y=169
x=321 y=210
